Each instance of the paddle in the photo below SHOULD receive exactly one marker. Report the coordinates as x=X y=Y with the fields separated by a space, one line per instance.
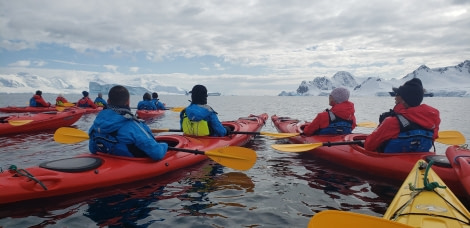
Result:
x=445 y=137
x=367 y=124
x=19 y=122
x=334 y=218
x=173 y=109
x=271 y=134
x=234 y=157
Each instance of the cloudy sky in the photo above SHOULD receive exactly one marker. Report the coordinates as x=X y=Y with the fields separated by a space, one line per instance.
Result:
x=233 y=47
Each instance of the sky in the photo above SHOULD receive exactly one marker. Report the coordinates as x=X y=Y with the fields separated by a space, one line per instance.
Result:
x=233 y=47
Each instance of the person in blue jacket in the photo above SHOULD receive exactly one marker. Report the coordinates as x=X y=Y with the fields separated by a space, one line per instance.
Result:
x=100 y=102
x=200 y=119
x=146 y=103
x=117 y=131
x=158 y=103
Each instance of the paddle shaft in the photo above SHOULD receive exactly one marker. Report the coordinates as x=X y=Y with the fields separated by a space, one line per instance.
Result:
x=342 y=143
x=186 y=150
x=234 y=132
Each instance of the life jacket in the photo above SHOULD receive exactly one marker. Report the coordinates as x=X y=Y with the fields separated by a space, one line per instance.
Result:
x=337 y=126
x=412 y=138
x=59 y=101
x=83 y=102
x=107 y=143
x=196 y=128
x=32 y=102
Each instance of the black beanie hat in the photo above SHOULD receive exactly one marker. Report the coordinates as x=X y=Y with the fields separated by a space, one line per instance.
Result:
x=412 y=92
x=39 y=92
x=199 y=95
x=85 y=93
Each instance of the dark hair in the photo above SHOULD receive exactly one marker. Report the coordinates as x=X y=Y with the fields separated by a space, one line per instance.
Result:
x=199 y=95
x=118 y=95
x=39 y=92
x=85 y=93
x=154 y=95
x=147 y=97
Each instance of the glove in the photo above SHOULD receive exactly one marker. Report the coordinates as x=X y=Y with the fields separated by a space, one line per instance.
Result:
x=228 y=129
x=385 y=115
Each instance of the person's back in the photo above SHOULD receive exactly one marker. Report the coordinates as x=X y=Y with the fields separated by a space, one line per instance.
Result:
x=409 y=127
x=158 y=103
x=60 y=100
x=117 y=131
x=340 y=119
x=146 y=103
x=200 y=119
x=100 y=102
x=38 y=101
x=85 y=101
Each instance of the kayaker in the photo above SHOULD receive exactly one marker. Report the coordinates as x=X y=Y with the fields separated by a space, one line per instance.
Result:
x=38 y=101
x=200 y=119
x=410 y=126
x=85 y=101
x=117 y=131
x=60 y=100
x=339 y=119
x=158 y=103
x=100 y=102
x=146 y=103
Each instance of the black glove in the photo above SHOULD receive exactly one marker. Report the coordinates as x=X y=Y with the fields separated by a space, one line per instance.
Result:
x=228 y=129
x=385 y=115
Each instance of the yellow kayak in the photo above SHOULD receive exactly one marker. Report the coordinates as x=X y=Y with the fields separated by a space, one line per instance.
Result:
x=334 y=218
x=427 y=202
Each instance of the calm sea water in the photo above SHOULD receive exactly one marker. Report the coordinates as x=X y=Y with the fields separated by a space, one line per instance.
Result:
x=281 y=190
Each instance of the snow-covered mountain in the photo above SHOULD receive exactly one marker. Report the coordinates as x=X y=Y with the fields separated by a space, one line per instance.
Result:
x=453 y=81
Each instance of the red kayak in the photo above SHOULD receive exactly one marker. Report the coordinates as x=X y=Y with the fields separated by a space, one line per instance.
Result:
x=88 y=171
x=389 y=165
x=149 y=114
x=30 y=122
x=14 y=109
x=459 y=157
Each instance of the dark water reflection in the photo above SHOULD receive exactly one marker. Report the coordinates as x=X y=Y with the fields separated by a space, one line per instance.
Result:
x=281 y=190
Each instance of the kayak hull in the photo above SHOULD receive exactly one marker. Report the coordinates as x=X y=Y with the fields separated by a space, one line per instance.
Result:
x=115 y=170
x=15 y=109
x=149 y=114
x=417 y=207
x=389 y=165
x=39 y=121
x=459 y=158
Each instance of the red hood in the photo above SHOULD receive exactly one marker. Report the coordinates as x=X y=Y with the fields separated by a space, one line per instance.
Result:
x=423 y=115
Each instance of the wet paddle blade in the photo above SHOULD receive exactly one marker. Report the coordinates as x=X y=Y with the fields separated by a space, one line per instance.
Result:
x=60 y=109
x=19 y=122
x=68 y=135
x=279 y=135
x=176 y=109
x=369 y=124
x=69 y=104
x=295 y=148
x=451 y=138
x=333 y=218
x=234 y=157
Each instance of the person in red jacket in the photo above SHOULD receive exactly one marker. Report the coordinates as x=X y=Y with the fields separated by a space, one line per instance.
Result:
x=38 y=101
x=339 y=119
x=60 y=100
x=409 y=127
x=85 y=101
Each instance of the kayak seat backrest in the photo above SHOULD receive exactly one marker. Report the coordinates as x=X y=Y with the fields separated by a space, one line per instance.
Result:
x=73 y=165
x=439 y=160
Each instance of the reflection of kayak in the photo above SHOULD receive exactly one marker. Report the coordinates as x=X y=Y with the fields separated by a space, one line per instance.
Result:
x=30 y=122
x=88 y=171
x=459 y=158
x=148 y=114
x=424 y=201
x=15 y=109
x=394 y=166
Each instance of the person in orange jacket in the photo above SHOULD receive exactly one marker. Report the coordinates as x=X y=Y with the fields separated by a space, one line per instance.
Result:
x=410 y=126
x=339 y=119
x=85 y=101
x=38 y=101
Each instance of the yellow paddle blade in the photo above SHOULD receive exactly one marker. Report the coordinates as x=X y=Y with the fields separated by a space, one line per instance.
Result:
x=451 y=138
x=235 y=157
x=19 y=122
x=176 y=109
x=279 y=135
x=70 y=135
x=59 y=108
x=160 y=130
x=333 y=218
x=367 y=124
x=68 y=104
x=296 y=147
